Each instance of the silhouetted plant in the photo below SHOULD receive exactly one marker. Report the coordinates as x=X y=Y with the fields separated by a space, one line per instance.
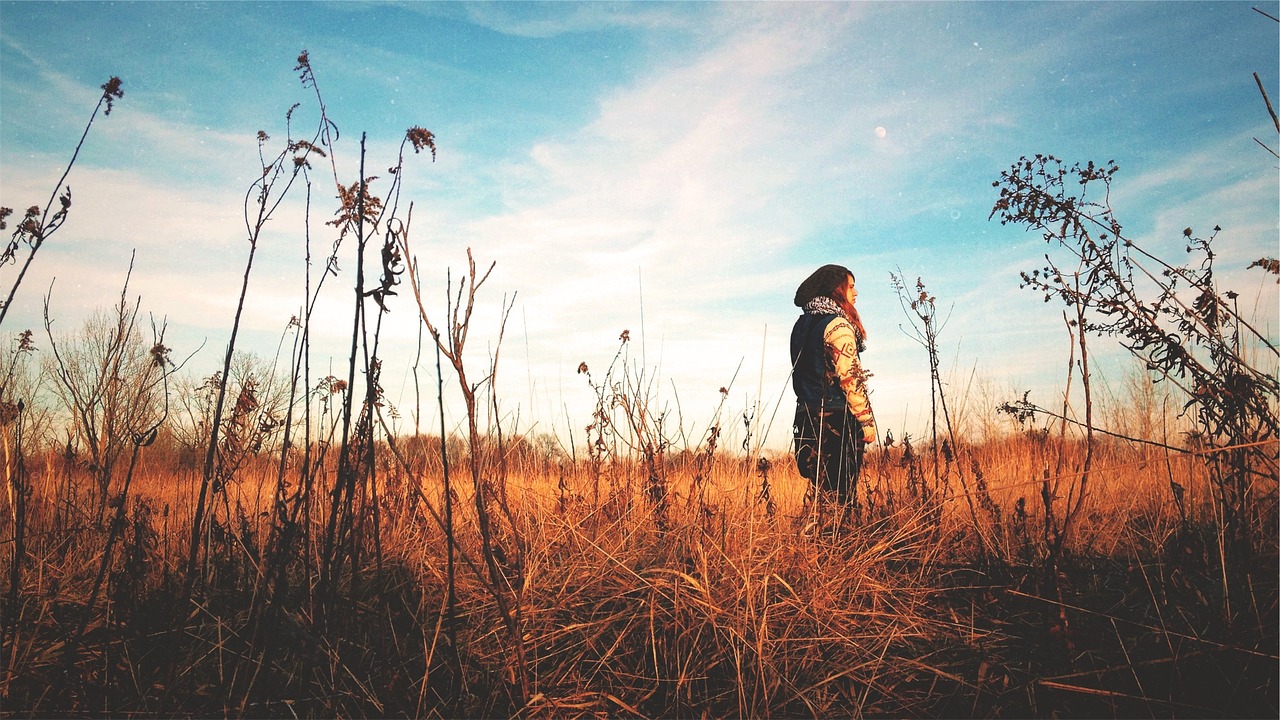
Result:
x=505 y=574
x=36 y=226
x=921 y=309
x=1173 y=317
x=627 y=424
x=38 y=223
x=263 y=198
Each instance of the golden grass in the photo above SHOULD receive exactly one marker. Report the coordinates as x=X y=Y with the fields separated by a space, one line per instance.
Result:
x=725 y=610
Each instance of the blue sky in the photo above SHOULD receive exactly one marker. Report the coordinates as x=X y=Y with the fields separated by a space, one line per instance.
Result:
x=674 y=169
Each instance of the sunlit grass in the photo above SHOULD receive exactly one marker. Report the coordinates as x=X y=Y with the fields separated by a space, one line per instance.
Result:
x=731 y=610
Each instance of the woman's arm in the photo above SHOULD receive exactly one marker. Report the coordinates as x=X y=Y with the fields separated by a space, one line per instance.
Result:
x=842 y=344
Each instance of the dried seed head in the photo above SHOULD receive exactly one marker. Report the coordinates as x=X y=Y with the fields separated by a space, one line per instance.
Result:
x=159 y=355
x=111 y=92
x=422 y=138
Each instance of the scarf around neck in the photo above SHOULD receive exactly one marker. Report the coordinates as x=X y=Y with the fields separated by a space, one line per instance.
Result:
x=823 y=305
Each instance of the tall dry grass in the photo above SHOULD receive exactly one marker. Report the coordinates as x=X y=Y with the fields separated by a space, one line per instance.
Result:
x=727 y=610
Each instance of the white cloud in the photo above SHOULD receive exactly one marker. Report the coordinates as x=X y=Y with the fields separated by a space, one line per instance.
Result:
x=692 y=188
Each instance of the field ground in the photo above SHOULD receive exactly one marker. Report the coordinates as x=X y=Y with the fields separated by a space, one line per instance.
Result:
x=707 y=596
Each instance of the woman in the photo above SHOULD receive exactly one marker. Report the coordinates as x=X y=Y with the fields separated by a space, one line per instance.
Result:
x=833 y=416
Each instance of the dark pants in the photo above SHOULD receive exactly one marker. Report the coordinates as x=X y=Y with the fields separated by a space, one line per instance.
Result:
x=828 y=449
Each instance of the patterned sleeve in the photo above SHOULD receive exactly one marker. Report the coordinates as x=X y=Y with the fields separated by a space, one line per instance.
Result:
x=842 y=343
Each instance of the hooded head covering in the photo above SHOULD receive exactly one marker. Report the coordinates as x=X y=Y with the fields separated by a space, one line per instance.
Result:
x=821 y=283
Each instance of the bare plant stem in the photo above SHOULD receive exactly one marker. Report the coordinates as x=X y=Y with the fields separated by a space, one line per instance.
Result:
x=344 y=487
x=264 y=208
x=459 y=317
x=37 y=233
x=923 y=307
x=451 y=543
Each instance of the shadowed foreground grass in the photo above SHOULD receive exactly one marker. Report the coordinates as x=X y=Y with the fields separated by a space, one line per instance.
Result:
x=739 y=603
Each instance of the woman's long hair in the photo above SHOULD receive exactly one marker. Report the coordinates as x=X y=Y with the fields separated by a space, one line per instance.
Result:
x=827 y=281
x=856 y=320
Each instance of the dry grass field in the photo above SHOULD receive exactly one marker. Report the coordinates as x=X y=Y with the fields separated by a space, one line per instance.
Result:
x=736 y=603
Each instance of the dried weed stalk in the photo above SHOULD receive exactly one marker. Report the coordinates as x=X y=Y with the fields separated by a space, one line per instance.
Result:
x=1175 y=318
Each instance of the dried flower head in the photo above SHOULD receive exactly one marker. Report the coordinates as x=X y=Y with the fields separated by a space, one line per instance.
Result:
x=763 y=466
x=160 y=355
x=30 y=224
x=422 y=138
x=330 y=385
x=1270 y=265
x=357 y=206
x=303 y=68
x=111 y=92
x=305 y=146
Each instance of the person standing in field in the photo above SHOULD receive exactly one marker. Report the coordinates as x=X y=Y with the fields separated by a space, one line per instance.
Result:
x=833 y=419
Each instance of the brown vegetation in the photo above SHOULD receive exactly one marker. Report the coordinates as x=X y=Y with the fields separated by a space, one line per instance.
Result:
x=730 y=610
